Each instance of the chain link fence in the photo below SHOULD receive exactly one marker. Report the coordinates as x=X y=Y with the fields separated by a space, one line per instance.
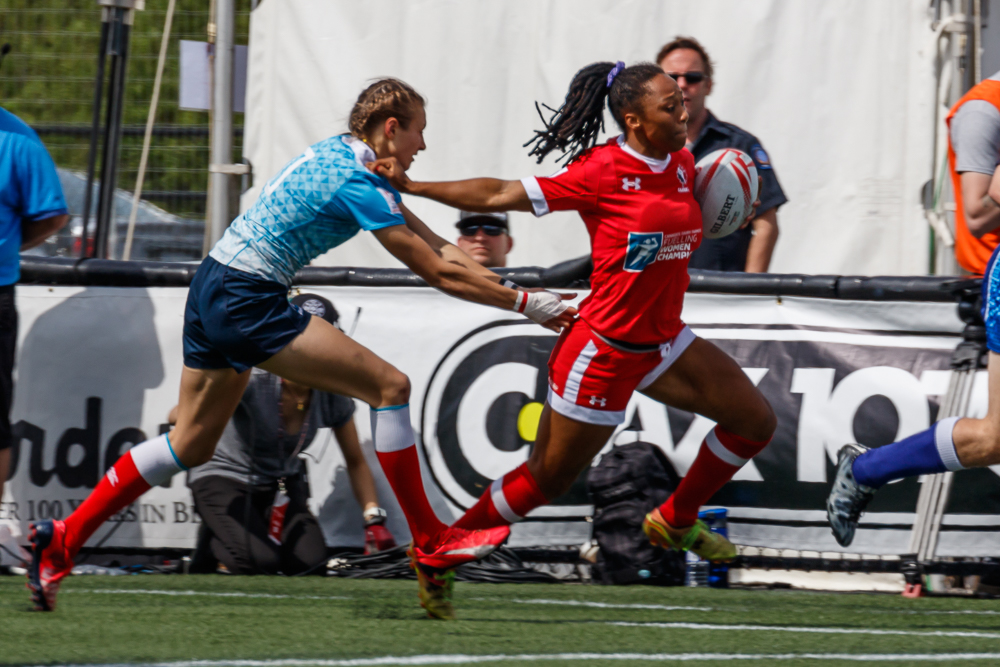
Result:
x=47 y=80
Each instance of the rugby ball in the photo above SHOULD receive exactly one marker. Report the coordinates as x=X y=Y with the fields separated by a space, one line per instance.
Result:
x=725 y=186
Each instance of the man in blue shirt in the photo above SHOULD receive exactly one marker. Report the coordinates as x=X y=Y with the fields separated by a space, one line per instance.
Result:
x=32 y=208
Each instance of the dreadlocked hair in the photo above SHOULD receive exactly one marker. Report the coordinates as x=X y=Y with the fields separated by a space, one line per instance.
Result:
x=382 y=100
x=573 y=128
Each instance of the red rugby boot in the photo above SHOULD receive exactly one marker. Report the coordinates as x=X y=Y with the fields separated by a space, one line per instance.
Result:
x=49 y=563
x=457 y=546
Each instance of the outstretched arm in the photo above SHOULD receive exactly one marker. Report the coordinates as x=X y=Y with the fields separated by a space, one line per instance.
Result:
x=482 y=195
x=445 y=249
x=544 y=308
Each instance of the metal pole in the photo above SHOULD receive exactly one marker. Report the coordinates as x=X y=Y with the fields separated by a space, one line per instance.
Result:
x=206 y=241
x=219 y=215
x=120 y=25
x=95 y=128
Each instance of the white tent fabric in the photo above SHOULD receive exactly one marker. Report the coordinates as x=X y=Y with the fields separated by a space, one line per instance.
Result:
x=840 y=92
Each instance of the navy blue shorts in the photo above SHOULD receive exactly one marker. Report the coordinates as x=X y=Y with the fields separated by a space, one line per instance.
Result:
x=234 y=319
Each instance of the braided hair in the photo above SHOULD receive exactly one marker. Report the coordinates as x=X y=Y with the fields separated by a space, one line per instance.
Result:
x=380 y=101
x=573 y=127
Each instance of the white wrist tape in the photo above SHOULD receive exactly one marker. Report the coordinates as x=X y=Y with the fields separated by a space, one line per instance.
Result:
x=374 y=515
x=539 y=306
x=508 y=284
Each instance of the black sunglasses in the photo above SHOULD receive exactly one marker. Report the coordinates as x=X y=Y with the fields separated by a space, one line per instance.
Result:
x=691 y=77
x=489 y=230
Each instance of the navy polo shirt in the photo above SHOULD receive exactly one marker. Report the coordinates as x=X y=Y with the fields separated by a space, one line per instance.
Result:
x=730 y=252
x=29 y=189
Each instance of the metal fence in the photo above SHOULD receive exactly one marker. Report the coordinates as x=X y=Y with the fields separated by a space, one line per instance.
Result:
x=47 y=80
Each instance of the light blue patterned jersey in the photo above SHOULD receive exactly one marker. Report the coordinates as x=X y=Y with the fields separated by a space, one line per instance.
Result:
x=316 y=202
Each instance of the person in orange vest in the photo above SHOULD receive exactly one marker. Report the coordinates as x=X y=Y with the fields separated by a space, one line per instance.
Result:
x=953 y=443
x=973 y=155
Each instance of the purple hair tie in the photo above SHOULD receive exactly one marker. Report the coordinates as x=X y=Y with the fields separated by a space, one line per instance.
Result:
x=619 y=66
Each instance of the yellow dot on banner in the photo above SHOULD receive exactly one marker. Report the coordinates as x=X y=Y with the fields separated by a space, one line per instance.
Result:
x=527 y=421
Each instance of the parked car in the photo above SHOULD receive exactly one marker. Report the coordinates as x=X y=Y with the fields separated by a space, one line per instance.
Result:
x=159 y=235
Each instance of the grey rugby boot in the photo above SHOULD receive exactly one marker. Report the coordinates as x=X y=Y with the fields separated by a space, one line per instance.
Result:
x=848 y=498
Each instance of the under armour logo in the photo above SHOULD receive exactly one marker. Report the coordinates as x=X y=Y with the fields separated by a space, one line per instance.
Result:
x=634 y=184
x=599 y=401
x=112 y=477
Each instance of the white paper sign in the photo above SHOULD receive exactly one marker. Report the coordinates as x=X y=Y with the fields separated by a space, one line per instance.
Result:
x=196 y=76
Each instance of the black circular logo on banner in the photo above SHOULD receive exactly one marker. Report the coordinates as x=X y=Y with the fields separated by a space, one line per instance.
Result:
x=482 y=407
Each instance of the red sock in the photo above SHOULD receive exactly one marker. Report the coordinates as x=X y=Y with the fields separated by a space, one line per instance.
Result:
x=117 y=489
x=722 y=453
x=507 y=501
x=148 y=463
x=397 y=453
x=402 y=469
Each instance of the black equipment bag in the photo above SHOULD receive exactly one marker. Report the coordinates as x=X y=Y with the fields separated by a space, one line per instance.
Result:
x=626 y=484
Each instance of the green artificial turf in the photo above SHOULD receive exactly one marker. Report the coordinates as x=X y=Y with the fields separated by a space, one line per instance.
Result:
x=100 y=619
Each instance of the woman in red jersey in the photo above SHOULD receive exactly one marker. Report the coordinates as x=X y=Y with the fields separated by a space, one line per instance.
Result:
x=634 y=195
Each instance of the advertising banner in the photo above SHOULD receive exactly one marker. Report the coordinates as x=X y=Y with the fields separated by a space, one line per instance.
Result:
x=99 y=369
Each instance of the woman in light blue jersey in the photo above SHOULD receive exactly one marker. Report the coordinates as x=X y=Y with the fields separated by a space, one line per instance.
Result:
x=238 y=316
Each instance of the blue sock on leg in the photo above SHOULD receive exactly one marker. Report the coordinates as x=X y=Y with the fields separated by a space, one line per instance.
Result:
x=924 y=453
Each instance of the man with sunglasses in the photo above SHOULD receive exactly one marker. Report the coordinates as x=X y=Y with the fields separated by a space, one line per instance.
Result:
x=748 y=249
x=485 y=237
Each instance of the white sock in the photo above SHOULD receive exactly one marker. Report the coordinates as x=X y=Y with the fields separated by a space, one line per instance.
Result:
x=391 y=430
x=945 y=443
x=155 y=460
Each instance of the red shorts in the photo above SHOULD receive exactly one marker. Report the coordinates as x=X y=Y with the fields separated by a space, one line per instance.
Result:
x=591 y=380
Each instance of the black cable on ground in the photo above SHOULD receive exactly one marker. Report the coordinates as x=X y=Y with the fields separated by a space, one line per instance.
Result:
x=502 y=567
x=388 y=564
x=13 y=555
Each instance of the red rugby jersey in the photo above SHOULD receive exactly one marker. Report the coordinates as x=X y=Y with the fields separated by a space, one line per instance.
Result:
x=644 y=223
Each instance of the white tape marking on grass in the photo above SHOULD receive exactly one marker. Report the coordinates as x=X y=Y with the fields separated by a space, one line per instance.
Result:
x=146 y=591
x=664 y=607
x=407 y=661
x=977 y=612
x=607 y=605
x=802 y=628
x=539 y=601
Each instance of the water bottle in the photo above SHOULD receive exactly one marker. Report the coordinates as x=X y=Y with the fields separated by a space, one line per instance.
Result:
x=715 y=519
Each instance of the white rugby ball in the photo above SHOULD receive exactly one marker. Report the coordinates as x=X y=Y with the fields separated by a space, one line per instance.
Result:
x=725 y=186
